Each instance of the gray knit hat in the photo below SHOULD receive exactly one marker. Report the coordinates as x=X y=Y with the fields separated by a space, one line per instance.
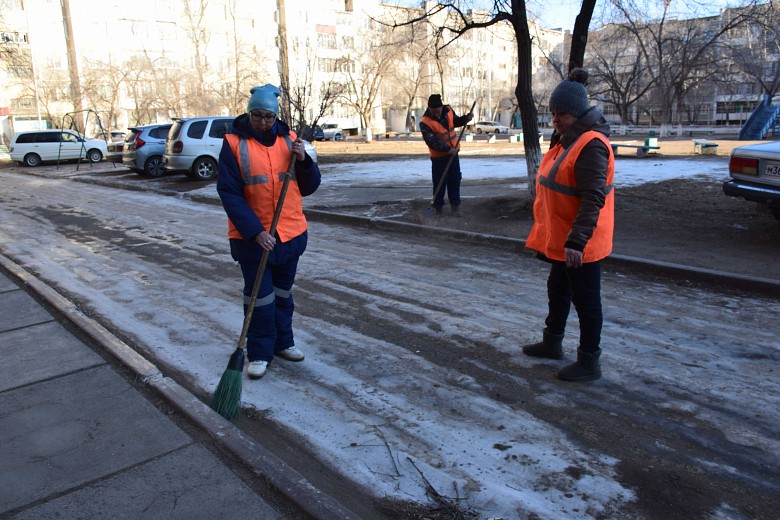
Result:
x=570 y=95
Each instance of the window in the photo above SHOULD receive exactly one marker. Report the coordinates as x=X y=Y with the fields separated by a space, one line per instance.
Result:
x=197 y=129
x=160 y=133
x=327 y=41
x=25 y=138
x=47 y=137
x=219 y=127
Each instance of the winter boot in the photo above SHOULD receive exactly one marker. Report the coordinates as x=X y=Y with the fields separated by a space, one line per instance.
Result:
x=550 y=347
x=455 y=211
x=437 y=211
x=587 y=367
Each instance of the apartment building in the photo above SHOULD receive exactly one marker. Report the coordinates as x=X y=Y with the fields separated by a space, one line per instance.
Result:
x=148 y=61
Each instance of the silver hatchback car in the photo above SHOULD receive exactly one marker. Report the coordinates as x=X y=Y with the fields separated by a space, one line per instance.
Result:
x=144 y=149
x=194 y=144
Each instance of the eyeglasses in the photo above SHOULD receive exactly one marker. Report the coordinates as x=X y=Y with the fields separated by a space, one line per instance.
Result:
x=266 y=117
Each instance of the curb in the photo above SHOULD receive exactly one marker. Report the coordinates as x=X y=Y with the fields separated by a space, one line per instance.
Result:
x=720 y=279
x=287 y=481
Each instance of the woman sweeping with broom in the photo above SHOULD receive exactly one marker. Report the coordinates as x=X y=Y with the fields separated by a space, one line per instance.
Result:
x=266 y=243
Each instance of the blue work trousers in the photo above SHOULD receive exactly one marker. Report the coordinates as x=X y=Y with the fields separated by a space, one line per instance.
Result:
x=270 y=328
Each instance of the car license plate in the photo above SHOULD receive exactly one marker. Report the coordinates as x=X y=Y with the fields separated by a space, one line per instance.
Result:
x=772 y=169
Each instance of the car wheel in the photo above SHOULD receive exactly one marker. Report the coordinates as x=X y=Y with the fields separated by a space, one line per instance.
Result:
x=479 y=130
x=94 y=156
x=498 y=131
x=204 y=169
x=338 y=137
x=32 y=159
x=154 y=166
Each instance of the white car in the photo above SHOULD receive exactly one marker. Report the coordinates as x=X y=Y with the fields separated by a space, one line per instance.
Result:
x=34 y=147
x=490 y=127
x=755 y=175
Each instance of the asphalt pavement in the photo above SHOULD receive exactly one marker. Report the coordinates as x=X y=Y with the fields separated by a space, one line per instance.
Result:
x=81 y=439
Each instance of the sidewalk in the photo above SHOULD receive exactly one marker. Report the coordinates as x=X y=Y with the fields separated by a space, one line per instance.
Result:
x=78 y=441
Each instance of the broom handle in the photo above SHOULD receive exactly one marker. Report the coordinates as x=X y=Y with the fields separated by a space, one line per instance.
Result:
x=266 y=253
x=449 y=161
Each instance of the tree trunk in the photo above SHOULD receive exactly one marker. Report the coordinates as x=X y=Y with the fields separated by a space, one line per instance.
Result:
x=579 y=38
x=524 y=95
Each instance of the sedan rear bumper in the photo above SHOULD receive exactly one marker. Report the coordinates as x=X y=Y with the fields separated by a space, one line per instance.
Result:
x=752 y=192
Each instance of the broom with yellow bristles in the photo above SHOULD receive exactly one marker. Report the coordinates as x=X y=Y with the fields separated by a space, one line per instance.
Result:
x=227 y=397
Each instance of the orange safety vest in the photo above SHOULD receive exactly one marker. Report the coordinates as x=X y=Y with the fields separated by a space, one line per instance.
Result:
x=263 y=169
x=557 y=203
x=446 y=135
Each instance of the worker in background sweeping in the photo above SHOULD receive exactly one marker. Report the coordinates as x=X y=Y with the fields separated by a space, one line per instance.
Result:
x=438 y=130
x=249 y=196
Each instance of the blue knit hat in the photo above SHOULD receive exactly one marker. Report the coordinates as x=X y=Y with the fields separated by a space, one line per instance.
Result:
x=570 y=95
x=264 y=98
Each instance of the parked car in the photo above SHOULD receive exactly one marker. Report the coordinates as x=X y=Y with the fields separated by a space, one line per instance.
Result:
x=194 y=144
x=113 y=136
x=318 y=134
x=144 y=149
x=755 y=175
x=332 y=131
x=35 y=147
x=114 y=151
x=490 y=127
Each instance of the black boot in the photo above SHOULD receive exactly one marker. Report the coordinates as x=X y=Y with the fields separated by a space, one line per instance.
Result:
x=587 y=367
x=550 y=347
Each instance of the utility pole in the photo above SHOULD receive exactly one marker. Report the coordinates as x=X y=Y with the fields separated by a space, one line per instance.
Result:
x=73 y=62
x=284 y=62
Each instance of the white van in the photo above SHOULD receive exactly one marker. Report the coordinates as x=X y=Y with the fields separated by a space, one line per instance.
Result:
x=34 y=147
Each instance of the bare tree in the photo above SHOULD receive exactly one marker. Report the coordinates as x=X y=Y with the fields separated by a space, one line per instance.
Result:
x=680 y=53
x=757 y=54
x=618 y=70
x=459 y=21
x=195 y=81
x=363 y=71
x=102 y=85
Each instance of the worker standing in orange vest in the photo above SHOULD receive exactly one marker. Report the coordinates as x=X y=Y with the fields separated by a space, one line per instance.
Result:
x=252 y=163
x=438 y=131
x=573 y=225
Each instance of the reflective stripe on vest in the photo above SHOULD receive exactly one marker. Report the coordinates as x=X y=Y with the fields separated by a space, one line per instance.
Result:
x=263 y=169
x=445 y=135
x=246 y=171
x=557 y=203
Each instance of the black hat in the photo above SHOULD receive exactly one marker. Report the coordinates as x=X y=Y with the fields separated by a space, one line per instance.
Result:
x=435 y=101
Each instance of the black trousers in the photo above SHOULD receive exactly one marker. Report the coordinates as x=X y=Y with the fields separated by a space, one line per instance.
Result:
x=582 y=287
x=451 y=183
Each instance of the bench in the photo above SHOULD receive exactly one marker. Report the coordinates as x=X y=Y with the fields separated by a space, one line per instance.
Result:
x=705 y=147
x=641 y=149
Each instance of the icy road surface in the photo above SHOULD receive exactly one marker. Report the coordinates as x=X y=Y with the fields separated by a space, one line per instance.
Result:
x=412 y=351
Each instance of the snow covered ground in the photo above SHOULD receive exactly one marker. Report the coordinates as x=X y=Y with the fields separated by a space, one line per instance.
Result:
x=158 y=269
x=627 y=171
